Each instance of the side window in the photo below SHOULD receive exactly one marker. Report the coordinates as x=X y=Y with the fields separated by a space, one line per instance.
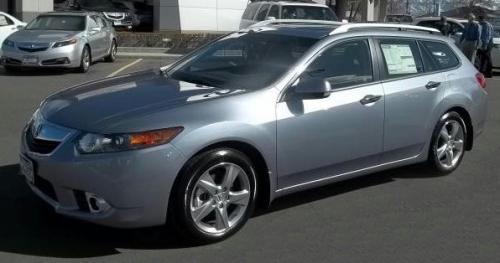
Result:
x=250 y=11
x=102 y=21
x=261 y=15
x=345 y=64
x=92 y=23
x=274 y=12
x=401 y=57
x=440 y=54
x=5 y=21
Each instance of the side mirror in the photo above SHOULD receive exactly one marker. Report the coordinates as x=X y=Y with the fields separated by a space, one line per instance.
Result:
x=312 y=88
x=270 y=18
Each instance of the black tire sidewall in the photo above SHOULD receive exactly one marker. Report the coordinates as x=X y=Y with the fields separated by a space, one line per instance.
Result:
x=433 y=159
x=190 y=175
x=82 y=67
x=110 y=57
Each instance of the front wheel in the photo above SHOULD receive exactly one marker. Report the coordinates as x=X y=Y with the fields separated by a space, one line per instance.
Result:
x=448 y=143
x=85 y=60
x=215 y=195
x=112 y=52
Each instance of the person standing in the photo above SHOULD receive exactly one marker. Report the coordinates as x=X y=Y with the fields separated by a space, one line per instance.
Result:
x=484 y=51
x=444 y=26
x=470 y=38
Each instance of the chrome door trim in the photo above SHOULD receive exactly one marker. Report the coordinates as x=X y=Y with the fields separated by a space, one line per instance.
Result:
x=347 y=173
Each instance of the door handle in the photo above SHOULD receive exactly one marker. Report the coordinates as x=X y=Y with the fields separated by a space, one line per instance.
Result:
x=432 y=85
x=370 y=99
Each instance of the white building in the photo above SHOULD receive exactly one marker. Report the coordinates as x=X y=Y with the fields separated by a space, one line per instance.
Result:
x=198 y=15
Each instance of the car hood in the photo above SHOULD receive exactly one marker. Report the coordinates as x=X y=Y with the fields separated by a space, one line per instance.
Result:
x=100 y=106
x=42 y=36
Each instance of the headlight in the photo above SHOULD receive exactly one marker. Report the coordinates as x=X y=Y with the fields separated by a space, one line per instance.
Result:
x=8 y=43
x=96 y=143
x=65 y=43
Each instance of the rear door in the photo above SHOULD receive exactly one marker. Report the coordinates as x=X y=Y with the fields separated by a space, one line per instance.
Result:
x=412 y=95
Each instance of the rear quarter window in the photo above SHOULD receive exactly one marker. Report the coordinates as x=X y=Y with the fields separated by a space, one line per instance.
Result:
x=438 y=55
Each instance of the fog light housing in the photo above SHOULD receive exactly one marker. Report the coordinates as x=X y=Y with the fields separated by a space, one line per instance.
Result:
x=96 y=204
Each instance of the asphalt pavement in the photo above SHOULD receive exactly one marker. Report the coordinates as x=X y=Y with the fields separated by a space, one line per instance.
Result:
x=400 y=215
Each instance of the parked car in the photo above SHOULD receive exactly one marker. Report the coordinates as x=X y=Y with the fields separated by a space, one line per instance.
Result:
x=495 y=52
x=62 y=40
x=398 y=18
x=255 y=115
x=260 y=11
x=119 y=16
x=141 y=12
x=8 y=25
x=456 y=26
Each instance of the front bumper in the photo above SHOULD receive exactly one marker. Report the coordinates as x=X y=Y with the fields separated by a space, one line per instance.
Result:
x=135 y=184
x=63 y=57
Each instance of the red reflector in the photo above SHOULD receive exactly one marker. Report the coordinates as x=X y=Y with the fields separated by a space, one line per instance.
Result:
x=481 y=80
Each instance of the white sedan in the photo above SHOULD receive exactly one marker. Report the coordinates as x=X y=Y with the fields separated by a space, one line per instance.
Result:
x=8 y=25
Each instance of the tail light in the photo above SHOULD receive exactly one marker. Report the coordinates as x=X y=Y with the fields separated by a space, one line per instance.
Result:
x=481 y=80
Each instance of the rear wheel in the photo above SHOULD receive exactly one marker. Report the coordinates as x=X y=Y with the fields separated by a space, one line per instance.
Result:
x=85 y=60
x=112 y=52
x=448 y=143
x=215 y=195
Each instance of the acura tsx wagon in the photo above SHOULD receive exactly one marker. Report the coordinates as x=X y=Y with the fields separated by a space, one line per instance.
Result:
x=252 y=116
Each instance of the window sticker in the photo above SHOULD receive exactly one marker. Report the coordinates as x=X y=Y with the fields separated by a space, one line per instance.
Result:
x=399 y=59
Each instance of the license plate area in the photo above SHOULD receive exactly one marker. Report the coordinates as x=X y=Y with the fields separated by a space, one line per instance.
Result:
x=30 y=60
x=27 y=168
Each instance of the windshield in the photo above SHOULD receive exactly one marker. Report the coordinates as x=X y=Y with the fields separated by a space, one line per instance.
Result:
x=243 y=60
x=65 y=23
x=308 y=12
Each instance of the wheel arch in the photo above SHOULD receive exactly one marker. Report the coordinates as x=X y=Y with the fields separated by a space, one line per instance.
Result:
x=469 y=129
x=264 y=189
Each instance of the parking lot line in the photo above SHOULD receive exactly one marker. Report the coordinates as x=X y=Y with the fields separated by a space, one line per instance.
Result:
x=124 y=68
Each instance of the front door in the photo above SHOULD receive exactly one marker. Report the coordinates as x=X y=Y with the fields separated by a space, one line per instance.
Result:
x=318 y=139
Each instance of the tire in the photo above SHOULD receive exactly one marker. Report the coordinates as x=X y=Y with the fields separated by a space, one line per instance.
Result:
x=203 y=196
x=85 y=60
x=112 y=52
x=448 y=143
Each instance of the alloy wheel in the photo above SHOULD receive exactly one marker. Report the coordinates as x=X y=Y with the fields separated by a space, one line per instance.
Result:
x=220 y=198
x=450 y=144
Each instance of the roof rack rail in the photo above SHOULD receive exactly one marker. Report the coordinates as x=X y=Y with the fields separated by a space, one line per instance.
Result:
x=296 y=21
x=353 y=26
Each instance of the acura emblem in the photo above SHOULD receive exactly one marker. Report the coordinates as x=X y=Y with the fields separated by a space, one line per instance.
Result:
x=32 y=45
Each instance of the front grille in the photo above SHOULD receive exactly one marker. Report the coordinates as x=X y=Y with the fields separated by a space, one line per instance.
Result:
x=57 y=61
x=39 y=146
x=45 y=187
x=29 y=49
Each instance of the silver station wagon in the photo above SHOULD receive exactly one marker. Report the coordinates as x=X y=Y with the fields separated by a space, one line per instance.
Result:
x=257 y=114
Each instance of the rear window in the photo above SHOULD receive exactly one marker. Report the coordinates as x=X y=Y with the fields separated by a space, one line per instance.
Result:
x=250 y=11
x=308 y=12
x=438 y=56
x=401 y=57
x=57 y=22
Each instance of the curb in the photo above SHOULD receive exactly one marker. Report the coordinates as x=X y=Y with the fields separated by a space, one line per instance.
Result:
x=146 y=52
x=149 y=55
